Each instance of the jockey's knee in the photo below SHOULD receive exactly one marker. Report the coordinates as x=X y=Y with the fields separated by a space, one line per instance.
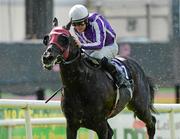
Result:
x=96 y=55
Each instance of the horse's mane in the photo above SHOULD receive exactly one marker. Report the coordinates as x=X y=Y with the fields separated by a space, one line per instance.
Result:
x=74 y=48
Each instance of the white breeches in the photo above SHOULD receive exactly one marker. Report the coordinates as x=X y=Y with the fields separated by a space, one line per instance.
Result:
x=109 y=52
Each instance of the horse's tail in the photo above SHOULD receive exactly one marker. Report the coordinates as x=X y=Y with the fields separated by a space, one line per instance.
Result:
x=152 y=94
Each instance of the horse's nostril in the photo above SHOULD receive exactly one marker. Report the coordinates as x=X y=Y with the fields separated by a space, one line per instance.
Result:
x=47 y=58
x=44 y=58
x=49 y=50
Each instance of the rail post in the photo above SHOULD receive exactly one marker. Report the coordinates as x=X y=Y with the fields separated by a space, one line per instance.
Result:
x=172 y=125
x=9 y=132
x=28 y=123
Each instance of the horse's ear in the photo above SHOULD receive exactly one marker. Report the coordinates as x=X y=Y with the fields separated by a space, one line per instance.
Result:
x=55 y=22
x=46 y=40
x=68 y=26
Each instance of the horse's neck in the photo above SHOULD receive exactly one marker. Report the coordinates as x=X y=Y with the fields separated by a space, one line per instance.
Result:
x=73 y=72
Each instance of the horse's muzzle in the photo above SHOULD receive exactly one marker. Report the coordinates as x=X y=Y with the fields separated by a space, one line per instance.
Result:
x=47 y=61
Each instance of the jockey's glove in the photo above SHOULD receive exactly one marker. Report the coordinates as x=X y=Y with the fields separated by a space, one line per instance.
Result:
x=78 y=43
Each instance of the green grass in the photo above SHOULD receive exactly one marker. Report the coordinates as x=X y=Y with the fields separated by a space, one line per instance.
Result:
x=166 y=90
x=7 y=95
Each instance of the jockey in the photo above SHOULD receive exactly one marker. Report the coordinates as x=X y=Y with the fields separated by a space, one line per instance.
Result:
x=97 y=37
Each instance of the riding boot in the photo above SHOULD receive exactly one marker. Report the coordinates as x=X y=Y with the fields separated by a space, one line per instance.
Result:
x=118 y=76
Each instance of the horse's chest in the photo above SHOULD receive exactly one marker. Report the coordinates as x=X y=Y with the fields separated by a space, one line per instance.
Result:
x=77 y=109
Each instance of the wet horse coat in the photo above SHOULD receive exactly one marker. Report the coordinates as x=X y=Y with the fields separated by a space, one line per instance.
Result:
x=89 y=95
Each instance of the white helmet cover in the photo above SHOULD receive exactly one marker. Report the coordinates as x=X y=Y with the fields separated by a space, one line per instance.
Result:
x=78 y=13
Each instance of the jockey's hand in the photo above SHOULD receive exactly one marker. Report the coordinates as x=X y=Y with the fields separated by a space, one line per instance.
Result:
x=78 y=43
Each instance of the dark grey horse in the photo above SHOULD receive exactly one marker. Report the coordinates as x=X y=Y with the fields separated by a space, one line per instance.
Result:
x=89 y=94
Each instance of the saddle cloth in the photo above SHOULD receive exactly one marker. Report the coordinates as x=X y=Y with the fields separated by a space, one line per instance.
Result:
x=118 y=62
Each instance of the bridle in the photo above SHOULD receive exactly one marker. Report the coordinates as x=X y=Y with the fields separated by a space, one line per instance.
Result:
x=62 y=61
x=54 y=36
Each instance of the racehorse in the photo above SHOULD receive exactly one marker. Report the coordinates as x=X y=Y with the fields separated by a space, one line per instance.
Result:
x=89 y=94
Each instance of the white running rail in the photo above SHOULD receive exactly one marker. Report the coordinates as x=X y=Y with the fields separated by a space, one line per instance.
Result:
x=39 y=104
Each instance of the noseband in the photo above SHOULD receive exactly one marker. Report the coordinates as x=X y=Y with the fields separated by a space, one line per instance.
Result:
x=63 y=56
x=66 y=62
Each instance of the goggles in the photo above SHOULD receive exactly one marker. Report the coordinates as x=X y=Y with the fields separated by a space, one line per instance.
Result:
x=78 y=23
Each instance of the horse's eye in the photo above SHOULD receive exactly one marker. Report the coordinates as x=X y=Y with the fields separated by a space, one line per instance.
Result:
x=63 y=40
x=46 y=40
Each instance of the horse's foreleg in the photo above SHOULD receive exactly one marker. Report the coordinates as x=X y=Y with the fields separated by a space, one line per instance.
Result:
x=102 y=130
x=71 y=131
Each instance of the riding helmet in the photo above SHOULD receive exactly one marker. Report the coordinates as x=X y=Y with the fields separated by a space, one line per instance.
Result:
x=78 y=13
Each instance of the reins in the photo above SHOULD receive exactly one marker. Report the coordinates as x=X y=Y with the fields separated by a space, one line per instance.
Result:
x=91 y=58
x=73 y=60
x=65 y=62
x=70 y=62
